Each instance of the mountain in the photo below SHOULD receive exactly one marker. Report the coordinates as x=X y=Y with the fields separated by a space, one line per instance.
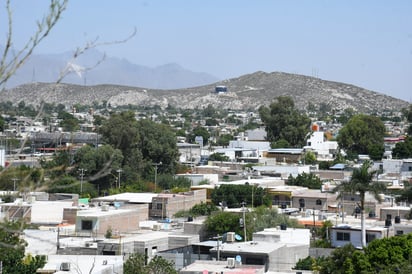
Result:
x=246 y=92
x=94 y=68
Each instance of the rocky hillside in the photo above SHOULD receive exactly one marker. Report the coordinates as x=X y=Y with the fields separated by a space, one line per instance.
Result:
x=246 y=92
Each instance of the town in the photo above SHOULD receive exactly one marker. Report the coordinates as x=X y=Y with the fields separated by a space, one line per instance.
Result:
x=202 y=191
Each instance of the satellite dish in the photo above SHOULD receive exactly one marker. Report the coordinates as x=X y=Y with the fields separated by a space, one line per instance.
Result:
x=238 y=237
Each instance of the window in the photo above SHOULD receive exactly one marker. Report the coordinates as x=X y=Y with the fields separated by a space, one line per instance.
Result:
x=301 y=203
x=318 y=202
x=343 y=236
x=159 y=206
x=370 y=237
x=399 y=232
x=87 y=225
x=410 y=168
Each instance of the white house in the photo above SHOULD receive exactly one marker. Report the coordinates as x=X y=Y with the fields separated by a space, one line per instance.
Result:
x=344 y=234
x=317 y=143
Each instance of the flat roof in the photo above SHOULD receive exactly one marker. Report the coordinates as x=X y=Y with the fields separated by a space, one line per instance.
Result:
x=130 y=197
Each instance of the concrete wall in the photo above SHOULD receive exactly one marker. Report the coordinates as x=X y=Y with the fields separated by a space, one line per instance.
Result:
x=286 y=257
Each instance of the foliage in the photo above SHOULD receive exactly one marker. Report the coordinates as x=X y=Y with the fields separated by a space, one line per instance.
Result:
x=403 y=150
x=224 y=140
x=222 y=222
x=281 y=143
x=12 y=249
x=199 y=131
x=363 y=134
x=136 y=264
x=70 y=184
x=264 y=217
x=157 y=144
x=203 y=209
x=218 y=157
x=388 y=255
x=98 y=164
x=68 y=122
x=167 y=181
x=121 y=132
x=234 y=195
x=308 y=180
x=304 y=264
x=310 y=158
x=283 y=121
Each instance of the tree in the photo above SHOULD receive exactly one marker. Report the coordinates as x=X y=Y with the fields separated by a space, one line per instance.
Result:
x=157 y=144
x=360 y=183
x=12 y=249
x=403 y=150
x=199 y=131
x=218 y=157
x=136 y=264
x=363 y=134
x=308 y=180
x=121 y=132
x=234 y=195
x=283 y=121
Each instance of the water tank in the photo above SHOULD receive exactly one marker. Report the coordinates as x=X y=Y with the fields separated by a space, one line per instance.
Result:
x=283 y=226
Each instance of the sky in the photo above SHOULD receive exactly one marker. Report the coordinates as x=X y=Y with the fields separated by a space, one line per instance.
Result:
x=366 y=43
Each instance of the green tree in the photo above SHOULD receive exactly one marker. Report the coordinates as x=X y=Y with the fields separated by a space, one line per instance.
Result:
x=224 y=140
x=283 y=121
x=222 y=222
x=234 y=195
x=136 y=264
x=218 y=157
x=308 y=180
x=157 y=143
x=403 y=150
x=68 y=121
x=199 y=131
x=12 y=248
x=360 y=183
x=121 y=132
x=363 y=134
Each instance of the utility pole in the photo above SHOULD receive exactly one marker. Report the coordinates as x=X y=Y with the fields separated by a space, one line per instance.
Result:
x=14 y=183
x=156 y=165
x=244 y=219
x=119 y=171
x=82 y=170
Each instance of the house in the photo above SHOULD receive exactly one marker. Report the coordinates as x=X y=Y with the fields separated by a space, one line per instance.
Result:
x=285 y=155
x=165 y=205
x=82 y=264
x=395 y=213
x=229 y=266
x=99 y=220
x=313 y=199
x=274 y=255
x=324 y=150
x=344 y=234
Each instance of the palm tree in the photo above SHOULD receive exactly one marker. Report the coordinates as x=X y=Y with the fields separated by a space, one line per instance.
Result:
x=360 y=183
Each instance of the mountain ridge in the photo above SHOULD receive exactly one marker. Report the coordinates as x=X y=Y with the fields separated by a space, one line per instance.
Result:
x=247 y=92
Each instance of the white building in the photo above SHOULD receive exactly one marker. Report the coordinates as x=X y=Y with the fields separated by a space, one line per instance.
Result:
x=323 y=149
x=344 y=234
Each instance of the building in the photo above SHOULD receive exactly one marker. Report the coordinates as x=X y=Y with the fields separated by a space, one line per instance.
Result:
x=82 y=264
x=99 y=220
x=344 y=234
x=165 y=205
x=313 y=199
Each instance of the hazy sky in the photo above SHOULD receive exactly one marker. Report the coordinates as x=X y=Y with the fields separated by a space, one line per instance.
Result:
x=367 y=43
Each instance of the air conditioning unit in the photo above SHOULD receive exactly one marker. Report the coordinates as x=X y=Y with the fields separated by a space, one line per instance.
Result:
x=105 y=207
x=156 y=227
x=65 y=266
x=230 y=237
x=231 y=262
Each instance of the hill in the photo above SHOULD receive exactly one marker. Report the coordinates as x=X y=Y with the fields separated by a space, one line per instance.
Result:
x=247 y=92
